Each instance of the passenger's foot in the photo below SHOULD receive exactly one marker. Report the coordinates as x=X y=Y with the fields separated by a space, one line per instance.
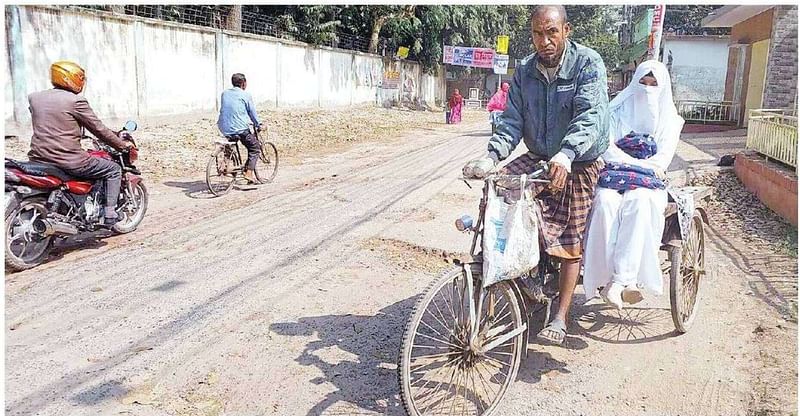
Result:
x=612 y=295
x=632 y=295
x=554 y=333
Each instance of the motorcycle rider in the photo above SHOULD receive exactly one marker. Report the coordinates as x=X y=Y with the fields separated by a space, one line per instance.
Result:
x=57 y=116
x=236 y=110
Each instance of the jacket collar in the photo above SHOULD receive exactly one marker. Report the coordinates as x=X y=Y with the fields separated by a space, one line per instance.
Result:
x=567 y=69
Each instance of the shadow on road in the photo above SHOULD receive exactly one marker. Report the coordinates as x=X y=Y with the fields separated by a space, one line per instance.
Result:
x=192 y=189
x=199 y=189
x=479 y=134
x=80 y=242
x=367 y=381
x=629 y=326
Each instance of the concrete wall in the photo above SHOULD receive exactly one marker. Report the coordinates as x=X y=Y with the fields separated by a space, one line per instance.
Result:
x=773 y=184
x=105 y=47
x=139 y=67
x=698 y=66
x=781 y=78
x=256 y=59
x=8 y=99
x=337 y=78
x=298 y=84
x=179 y=74
x=368 y=71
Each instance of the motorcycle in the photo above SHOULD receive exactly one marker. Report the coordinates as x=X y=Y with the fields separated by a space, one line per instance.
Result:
x=43 y=203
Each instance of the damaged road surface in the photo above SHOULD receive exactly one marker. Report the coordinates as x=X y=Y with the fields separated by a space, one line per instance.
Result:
x=291 y=299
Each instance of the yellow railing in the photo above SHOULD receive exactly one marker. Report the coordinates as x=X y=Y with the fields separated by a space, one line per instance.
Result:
x=773 y=133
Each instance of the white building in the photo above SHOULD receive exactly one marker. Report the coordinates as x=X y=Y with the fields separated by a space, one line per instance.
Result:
x=697 y=64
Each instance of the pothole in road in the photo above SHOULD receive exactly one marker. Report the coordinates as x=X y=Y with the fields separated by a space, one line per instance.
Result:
x=409 y=256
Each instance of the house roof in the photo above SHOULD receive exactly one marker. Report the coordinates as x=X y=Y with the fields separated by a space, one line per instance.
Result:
x=695 y=37
x=727 y=16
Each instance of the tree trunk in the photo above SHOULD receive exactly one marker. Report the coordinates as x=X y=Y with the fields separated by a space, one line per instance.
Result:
x=232 y=20
x=378 y=25
x=376 y=31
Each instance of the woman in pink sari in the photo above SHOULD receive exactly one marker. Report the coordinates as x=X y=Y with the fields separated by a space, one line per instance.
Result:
x=497 y=104
x=498 y=100
x=456 y=102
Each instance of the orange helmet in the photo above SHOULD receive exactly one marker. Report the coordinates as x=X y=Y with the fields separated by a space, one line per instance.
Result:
x=67 y=75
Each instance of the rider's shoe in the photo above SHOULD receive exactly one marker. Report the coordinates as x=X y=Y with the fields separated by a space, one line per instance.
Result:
x=612 y=295
x=250 y=177
x=109 y=222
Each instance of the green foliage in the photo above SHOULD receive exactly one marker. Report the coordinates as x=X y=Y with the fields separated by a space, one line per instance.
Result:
x=687 y=20
x=422 y=28
x=594 y=26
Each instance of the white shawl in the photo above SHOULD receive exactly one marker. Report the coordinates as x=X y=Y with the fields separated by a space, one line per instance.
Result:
x=645 y=109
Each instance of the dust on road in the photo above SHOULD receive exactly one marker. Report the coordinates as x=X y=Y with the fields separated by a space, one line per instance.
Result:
x=291 y=299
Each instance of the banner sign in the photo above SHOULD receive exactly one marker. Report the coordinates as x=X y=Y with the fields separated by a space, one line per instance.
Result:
x=502 y=44
x=500 y=64
x=474 y=57
x=402 y=52
x=656 y=29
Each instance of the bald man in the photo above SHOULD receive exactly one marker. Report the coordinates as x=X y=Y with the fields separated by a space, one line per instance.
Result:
x=558 y=105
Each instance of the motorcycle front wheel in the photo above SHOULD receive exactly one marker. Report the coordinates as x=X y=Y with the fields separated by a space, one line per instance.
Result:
x=132 y=209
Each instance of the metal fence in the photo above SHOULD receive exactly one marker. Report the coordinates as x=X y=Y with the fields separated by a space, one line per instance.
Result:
x=714 y=112
x=245 y=21
x=773 y=133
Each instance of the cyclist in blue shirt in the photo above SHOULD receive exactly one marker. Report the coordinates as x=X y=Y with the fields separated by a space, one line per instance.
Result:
x=236 y=112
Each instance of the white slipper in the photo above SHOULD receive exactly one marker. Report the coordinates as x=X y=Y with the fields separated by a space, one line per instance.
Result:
x=612 y=295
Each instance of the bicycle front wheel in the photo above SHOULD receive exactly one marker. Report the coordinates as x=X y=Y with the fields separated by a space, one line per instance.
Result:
x=462 y=347
x=267 y=163
x=219 y=172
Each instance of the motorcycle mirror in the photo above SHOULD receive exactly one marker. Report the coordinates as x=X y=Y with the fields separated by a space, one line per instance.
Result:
x=130 y=125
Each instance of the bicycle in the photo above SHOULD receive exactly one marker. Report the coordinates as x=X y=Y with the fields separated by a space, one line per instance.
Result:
x=225 y=164
x=463 y=344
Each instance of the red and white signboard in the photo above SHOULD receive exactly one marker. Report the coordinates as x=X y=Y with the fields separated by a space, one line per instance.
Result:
x=654 y=44
x=474 y=57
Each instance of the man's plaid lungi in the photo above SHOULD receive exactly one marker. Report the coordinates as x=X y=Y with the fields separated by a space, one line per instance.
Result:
x=563 y=214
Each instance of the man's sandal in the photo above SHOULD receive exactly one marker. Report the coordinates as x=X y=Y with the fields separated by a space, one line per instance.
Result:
x=554 y=333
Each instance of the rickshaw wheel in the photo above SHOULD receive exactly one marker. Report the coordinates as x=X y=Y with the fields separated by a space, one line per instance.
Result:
x=440 y=371
x=687 y=266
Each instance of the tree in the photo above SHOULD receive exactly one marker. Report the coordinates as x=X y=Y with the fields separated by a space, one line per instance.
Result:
x=381 y=15
x=594 y=26
x=688 y=20
x=231 y=17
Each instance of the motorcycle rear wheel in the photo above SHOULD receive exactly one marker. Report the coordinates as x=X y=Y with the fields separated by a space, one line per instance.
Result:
x=20 y=233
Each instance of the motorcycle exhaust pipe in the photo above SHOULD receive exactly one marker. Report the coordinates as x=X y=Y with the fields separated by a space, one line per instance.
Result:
x=49 y=227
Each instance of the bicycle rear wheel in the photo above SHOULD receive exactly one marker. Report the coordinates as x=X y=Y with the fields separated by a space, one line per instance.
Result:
x=220 y=173
x=687 y=268
x=450 y=365
x=267 y=163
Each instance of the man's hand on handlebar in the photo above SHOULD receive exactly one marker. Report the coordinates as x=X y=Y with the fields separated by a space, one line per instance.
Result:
x=479 y=168
x=558 y=176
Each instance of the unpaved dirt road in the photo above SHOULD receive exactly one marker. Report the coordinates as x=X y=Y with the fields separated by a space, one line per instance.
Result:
x=291 y=299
